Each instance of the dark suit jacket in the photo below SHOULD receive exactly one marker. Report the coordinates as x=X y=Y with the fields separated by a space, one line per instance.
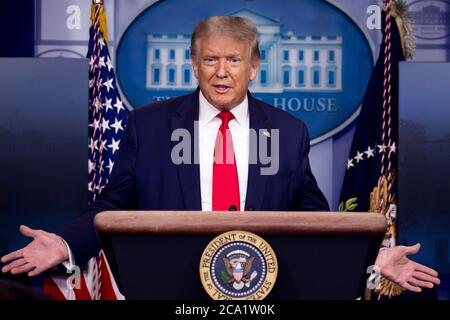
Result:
x=145 y=178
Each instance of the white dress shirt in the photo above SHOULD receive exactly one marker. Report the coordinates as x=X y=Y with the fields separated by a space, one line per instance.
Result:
x=209 y=125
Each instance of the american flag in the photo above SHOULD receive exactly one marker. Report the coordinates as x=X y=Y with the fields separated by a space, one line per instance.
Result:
x=107 y=119
x=107 y=114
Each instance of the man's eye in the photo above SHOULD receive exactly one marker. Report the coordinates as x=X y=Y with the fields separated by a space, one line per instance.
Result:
x=235 y=60
x=209 y=59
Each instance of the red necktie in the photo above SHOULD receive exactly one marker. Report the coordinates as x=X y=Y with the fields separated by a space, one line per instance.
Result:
x=225 y=191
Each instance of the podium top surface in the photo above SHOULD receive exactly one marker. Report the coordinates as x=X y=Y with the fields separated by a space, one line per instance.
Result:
x=262 y=222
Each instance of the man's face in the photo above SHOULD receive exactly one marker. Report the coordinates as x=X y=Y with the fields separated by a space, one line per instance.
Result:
x=224 y=69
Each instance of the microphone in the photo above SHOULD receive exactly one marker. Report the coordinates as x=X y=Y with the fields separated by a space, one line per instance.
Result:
x=233 y=208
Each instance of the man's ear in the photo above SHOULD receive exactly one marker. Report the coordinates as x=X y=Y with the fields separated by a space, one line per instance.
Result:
x=194 y=62
x=254 y=67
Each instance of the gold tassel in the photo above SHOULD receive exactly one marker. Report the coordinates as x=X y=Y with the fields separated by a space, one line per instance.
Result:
x=405 y=24
x=388 y=288
x=102 y=17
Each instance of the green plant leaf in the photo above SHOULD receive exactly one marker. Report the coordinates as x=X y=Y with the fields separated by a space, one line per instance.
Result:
x=350 y=201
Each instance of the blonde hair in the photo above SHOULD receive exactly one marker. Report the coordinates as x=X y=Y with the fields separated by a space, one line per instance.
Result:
x=238 y=28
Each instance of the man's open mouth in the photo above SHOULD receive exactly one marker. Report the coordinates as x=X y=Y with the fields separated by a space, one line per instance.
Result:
x=221 y=88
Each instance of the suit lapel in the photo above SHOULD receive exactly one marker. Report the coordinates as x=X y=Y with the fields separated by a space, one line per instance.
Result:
x=189 y=174
x=256 y=182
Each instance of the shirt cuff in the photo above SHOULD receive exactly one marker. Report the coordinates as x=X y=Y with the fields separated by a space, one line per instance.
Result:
x=69 y=263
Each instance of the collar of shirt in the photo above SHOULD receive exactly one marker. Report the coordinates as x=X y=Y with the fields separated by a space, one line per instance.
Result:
x=208 y=112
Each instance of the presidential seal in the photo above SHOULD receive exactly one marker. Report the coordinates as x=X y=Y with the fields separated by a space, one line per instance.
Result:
x=238 y=265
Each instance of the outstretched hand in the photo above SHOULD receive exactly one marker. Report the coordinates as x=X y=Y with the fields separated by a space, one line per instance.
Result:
x=395 y=266
x=44 y=252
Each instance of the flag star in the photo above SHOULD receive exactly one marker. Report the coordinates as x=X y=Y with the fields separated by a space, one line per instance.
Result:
x=105 y=125
x=119 y=105
x=103 y=145
x=90 y=187
x=92 y=145
x=359 y=156
x=392 y=148
x=91 y=166
x=108 y=84
x=91 y=83
x=110 y=167
x=109 y=63
x=102 y=62
x=92 y=63
x=382 y=148
x=97 y=104
x=350 y=164
x=98 y=84
x=370 y=152
x=114 y=145
x=108 y=104
x=117 y=125
x=95 y=125
x=102 y=42
x=101 y=166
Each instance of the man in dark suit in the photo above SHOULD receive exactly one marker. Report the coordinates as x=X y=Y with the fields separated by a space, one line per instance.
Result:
x=220 y=163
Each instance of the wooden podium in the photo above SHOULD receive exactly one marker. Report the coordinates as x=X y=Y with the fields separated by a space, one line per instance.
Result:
x=321 y=255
